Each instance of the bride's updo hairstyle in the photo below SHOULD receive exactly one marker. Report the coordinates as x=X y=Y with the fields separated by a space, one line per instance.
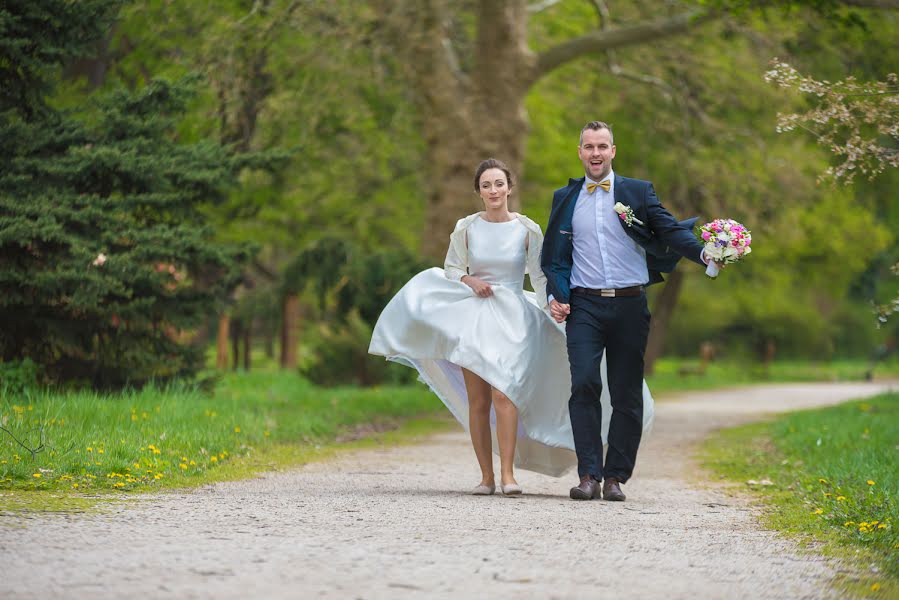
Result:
x=491 y=163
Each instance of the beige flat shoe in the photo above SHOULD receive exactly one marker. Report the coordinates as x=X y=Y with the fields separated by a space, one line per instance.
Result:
x=513 y=489
x=483 y=490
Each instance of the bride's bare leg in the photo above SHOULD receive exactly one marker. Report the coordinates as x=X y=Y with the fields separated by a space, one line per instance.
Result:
x=479 y=423
x=506 y=434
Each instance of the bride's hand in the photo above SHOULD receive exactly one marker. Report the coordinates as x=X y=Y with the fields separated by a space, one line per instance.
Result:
x=478 y=286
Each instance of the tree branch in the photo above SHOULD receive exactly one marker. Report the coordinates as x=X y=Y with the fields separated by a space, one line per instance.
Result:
x=885 y=4
x=33 y=451
x=598 y=41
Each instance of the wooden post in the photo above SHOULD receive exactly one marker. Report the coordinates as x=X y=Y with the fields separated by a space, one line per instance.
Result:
x=221 y=352
x=290 y=320
x=246 y=346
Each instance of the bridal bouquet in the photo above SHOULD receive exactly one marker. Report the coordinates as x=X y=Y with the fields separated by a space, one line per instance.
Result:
x=725 y=241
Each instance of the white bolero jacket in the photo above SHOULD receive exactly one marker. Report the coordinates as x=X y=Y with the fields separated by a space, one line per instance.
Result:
x=456 y=264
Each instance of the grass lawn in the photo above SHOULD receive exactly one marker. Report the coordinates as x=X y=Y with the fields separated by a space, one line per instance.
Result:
x=161 y=438
x=834 y=481
x=676 y=374
x=154 y=439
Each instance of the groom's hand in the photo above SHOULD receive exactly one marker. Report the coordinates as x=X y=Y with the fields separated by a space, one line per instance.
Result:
x=559 y=311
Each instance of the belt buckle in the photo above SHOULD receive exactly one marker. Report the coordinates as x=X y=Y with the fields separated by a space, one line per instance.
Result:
x=607 y=293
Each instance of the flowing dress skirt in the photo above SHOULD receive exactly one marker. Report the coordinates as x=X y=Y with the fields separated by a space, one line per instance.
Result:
x=438 y=326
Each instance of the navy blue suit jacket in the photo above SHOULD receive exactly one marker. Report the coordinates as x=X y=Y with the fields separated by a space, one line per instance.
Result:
x=664 y=238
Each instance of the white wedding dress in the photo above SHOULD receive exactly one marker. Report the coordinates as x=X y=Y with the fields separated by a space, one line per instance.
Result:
x=437 y=325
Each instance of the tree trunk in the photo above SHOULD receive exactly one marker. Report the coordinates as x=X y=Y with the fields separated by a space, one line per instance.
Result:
x=247 y=331
x=483 y=117
x=473 y=106
x=235 y=344
x=221 y=353
x=269 y=344
x=290 y=320
x=661 y=315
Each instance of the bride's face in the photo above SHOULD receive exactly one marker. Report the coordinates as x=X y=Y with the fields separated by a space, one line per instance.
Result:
x=494 y=189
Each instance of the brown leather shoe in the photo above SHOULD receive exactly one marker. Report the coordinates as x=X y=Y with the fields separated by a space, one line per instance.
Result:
x=587 y=489
x=611 y=490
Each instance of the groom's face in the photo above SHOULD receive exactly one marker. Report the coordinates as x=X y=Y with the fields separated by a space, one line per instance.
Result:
x=596 y=152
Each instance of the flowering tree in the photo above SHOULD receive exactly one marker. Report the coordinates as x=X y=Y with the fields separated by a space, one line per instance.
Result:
x=856 y=120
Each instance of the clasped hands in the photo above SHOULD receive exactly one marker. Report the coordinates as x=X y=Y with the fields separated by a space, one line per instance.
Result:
x=558 y=310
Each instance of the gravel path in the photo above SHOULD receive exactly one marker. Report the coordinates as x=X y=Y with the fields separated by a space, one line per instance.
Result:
x=397 y=523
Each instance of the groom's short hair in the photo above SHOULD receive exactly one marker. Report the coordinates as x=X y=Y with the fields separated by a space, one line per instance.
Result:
x=596 y=126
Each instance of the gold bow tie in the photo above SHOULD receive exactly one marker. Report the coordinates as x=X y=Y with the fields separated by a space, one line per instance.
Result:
x=605 y=184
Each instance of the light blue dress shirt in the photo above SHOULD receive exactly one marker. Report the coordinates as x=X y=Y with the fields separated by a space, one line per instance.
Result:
x=603 y=255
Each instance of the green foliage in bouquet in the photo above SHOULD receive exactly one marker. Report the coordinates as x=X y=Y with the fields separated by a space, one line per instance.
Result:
x=106 y=255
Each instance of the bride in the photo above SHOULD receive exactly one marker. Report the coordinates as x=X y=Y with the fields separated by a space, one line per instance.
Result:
x=486 y=347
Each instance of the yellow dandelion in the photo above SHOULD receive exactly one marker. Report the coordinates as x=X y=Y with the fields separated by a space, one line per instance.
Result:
x=827 y=494
x=157 y=451
x=882 y=526
x=818 y=511
x=184 y=458
x=870 y=482
x=192 y=463
x=848 y=523
x=118 y=484
x=875 y=587
x=183 y=466
x=134 y=417
x=822 y=480
x=237 y=430
x=136 y=465
x=101 y=451
x=214 y=459
x=266 y=433
x=157 y=476
x=90 y=449
x=37 y=475
x=74 y=486
x=874 y=522
x=840 y=498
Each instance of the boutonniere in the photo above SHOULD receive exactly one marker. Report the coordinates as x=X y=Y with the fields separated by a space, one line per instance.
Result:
x=626 y=213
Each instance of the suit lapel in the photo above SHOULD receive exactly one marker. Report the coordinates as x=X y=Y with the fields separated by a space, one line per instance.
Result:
x=616 y=194
x=566 y=205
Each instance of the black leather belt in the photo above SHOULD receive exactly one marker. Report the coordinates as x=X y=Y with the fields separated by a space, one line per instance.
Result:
x=634 y=290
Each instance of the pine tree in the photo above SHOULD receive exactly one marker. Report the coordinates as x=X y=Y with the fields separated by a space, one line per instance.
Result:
x=105 y=251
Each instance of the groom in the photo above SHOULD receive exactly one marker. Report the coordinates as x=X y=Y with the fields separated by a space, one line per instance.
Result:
x=597 y=263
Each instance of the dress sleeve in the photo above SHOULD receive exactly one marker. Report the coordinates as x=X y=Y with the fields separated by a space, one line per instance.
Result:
x=535 y=272
x=455 y=267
